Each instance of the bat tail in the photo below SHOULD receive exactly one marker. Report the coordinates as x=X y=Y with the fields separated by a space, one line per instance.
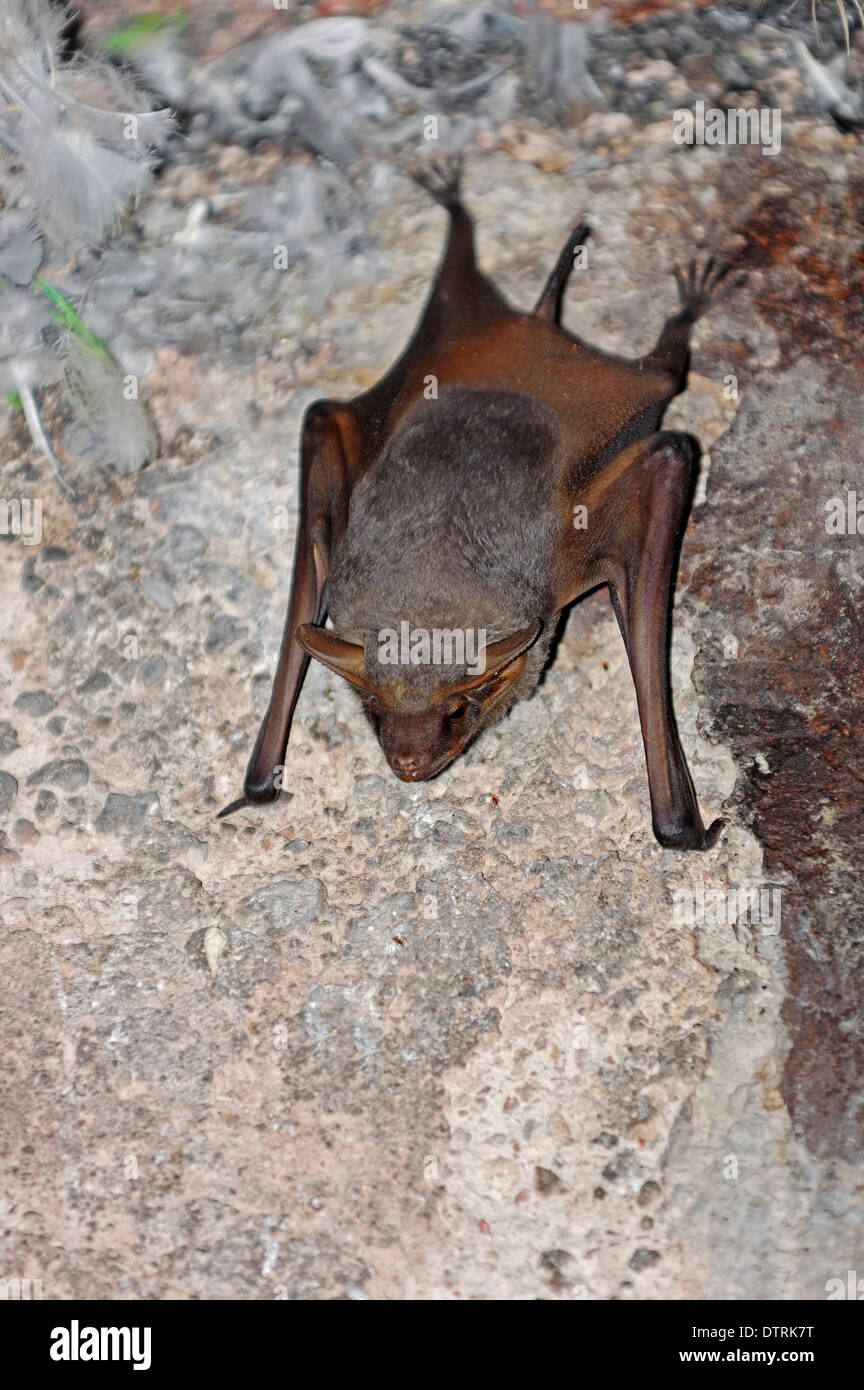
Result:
x=548 y=306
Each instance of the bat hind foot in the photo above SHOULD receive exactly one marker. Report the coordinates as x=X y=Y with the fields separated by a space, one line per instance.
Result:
x=699 y=286
x=688 y=835
x=254 y=794
x=441 y=178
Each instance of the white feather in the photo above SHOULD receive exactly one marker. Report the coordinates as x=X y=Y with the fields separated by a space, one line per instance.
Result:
x=121 y=433
x=82 y=164
x=24 y=354
x=21 y=247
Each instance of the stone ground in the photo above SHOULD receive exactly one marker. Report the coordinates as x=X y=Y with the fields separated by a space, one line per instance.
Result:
x=451 y=1040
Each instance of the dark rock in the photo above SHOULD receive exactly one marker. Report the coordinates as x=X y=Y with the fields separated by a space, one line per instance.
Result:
x=8 y=792
x=643 y=1259
x=620 y=1167
x=128 y=812
x=9 y=740
x=30 y=580
x=35 y=703
x=46 y=805
x=648 y=1193
x=153 y=670
x=547 y=1183
x=607 y=1140
x=99 y=680
x=68 y=773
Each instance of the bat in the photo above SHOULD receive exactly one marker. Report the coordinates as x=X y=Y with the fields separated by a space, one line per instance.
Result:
x=500 y=469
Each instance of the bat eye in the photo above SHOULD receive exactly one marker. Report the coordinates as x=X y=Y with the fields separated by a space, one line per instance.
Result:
x=457 y=710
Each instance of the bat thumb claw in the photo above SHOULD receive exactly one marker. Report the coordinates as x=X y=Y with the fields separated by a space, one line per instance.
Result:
x=234 y=806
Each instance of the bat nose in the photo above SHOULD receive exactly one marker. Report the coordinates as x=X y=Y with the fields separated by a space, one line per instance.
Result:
x=409 y=766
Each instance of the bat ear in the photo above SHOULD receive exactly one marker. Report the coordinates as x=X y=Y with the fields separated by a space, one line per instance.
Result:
x=345 y=658
x=505 y=661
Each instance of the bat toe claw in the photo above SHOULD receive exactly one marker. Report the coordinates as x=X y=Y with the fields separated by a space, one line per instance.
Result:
x=713 y=833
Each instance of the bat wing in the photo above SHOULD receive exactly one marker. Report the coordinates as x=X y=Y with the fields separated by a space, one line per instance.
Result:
x=636 y=510
x=330 y=455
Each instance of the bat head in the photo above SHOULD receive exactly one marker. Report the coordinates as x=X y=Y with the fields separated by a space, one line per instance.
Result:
x=425 y=712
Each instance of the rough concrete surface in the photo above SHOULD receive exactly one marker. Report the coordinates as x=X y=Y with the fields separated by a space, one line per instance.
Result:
x=451 y=1040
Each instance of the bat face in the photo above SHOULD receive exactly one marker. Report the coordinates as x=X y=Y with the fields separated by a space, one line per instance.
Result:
x=423 y=718
x=419 y=746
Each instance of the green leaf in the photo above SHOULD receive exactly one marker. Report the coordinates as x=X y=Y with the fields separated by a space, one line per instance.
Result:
x=144 y=29
x=71 y=322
